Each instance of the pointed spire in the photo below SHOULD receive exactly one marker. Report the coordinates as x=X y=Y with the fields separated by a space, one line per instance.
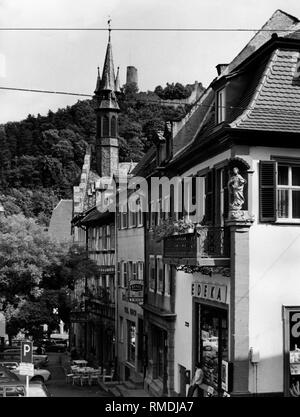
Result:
x=108 y=74
x=105 y=88
x=98 y=84
x=117 y=82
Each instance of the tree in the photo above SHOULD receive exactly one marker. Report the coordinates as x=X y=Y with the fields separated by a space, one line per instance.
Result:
x=27 y=256
x=37 y=276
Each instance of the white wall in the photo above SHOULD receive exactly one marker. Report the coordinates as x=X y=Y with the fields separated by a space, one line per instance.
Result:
x=274 y=282
x=131 y=244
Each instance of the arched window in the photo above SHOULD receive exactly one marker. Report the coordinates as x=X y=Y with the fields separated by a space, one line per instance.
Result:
x=113 y=127
x=99 y=126
x=105 y=126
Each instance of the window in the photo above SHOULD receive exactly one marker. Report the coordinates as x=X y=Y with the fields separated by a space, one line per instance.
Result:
x=152 y=273
x=139 y=214
x=121 y=329
x=221 y=103
x=160 y=274
x=209 y=197
x=279 y=191
x=119 y=273
x=134 y=271
x=153 y=215
x=222 y=201
x=124 y=218
x=108 y=241
x=131 y=336
x=129 y=271
x=140 y=270
x=112 y=237
x=132 y=219
x=288 y=192
x=105 y=126
x=167 y=279
x=125 y=279
x=113 y=127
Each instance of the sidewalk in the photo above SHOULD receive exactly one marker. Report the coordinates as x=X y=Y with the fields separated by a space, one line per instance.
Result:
x=122 y=389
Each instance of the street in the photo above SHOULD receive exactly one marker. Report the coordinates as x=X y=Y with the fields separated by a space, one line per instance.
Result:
x=58 y=387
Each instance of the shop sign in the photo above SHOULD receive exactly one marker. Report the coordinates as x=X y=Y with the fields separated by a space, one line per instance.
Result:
x=292 y=351
x=107 y=269
x=209 y=291
x=135 y=291
x=294 y=317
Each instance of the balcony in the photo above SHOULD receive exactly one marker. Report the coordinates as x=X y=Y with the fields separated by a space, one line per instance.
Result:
x=208 y=246
x=92 y=306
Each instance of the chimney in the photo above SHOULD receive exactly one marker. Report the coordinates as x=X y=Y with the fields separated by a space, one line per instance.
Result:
x=221 y=67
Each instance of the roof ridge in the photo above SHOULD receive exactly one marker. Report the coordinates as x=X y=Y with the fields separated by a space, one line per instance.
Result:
x=246 y=113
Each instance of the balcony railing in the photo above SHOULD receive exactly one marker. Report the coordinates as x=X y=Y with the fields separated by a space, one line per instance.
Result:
x=209 y=245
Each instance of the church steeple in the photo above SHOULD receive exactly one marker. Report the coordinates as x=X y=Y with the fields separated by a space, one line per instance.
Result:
x=105 y=93
x=117 y=82
x=107 y=109
x=98 y=84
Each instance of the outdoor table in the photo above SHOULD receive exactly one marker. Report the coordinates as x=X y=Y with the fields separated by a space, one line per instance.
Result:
x=80 y=362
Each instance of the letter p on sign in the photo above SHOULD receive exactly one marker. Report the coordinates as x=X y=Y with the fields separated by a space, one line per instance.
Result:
x=26 y=352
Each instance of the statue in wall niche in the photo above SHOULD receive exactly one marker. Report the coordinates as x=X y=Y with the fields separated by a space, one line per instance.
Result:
x=236 y=186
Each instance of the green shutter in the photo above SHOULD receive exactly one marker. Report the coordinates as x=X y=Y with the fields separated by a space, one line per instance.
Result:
x=267 y=191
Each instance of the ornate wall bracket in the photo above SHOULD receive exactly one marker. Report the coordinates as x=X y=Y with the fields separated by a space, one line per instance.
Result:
x=205 y=270
x=239 y=216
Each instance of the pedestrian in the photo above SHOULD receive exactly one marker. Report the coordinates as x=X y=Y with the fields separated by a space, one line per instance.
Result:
x=194 y=388
x=74 y=354
x=39 y=350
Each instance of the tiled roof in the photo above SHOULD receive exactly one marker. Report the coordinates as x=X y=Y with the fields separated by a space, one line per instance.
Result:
x=275 y=104
x=60 y=222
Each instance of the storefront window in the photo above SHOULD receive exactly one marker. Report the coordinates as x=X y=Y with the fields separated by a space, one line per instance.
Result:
x=131 y=336
x=212 y=343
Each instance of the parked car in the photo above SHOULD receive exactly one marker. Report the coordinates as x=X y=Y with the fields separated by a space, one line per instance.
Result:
x=55 y=346
x=7 y=376
x=12 y=389
x=14 y=354
x=38 y=390
x=39 y=350
x=41 y=375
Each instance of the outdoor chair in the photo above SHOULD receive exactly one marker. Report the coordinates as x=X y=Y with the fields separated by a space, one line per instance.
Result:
x=107 y=376
x=69 y=378
x=76 y=379
x=84 y=380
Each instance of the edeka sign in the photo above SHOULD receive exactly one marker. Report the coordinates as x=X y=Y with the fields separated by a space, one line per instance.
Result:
x=209 y=291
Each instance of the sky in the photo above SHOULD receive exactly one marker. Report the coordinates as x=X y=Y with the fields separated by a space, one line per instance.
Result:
x=68 y=60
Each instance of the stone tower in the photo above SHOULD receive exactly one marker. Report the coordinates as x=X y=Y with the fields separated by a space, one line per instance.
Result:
x=132 y=76
x=107 y=109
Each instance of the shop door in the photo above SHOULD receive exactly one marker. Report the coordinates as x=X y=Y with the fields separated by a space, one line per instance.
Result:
x=212 y=344
x=182 y=379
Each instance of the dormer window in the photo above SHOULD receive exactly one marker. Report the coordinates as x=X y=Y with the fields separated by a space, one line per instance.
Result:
x=221 y=108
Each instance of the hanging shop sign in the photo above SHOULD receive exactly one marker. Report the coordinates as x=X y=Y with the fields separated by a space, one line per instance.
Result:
x=209 y=291
x=107 y=269
x=135 y=291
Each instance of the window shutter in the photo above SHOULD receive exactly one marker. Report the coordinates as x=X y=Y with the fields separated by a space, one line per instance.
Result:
x=226 y=191
x=267 y=191
x=209 y=196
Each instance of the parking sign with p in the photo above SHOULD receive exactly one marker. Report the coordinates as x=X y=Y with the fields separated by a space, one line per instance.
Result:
x=26 y=352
